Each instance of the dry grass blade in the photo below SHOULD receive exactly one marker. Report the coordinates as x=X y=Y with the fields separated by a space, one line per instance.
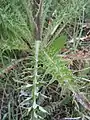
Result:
x=82 y=100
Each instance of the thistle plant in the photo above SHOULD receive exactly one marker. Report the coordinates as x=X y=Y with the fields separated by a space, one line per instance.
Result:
x=40 y=22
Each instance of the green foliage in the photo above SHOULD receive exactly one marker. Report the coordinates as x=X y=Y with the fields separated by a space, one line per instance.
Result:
x=54 y=64
x=56 y=45
x=57 y=67
x=13 y=28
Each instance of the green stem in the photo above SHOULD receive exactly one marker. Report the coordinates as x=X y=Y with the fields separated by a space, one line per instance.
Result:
x=35 y=88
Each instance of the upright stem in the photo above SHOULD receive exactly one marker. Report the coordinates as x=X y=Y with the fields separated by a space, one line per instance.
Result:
x=35 y=88
x=37 y=36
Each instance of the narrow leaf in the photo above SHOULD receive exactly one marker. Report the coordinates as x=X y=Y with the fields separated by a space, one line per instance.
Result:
x=42 y=109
